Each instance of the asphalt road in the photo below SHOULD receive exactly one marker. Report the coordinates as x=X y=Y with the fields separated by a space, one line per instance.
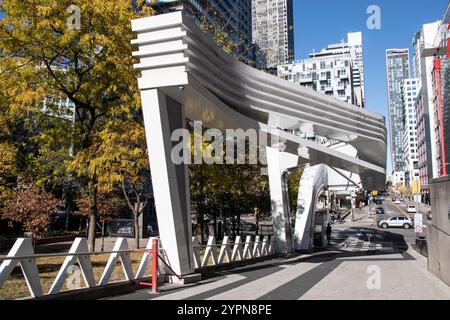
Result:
x=391 y=210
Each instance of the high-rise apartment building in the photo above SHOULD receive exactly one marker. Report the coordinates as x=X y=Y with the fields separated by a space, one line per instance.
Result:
x=423 y=65
x=354 y=43
x=273 y=31
x=397 y=71
x=410 y=144
x=231 y=16
x=337 y=70
x=440 y=77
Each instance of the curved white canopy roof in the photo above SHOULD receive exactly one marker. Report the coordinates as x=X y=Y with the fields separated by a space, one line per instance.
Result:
x=227 y=94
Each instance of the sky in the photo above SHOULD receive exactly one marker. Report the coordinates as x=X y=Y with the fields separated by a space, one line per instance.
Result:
x=318 y=23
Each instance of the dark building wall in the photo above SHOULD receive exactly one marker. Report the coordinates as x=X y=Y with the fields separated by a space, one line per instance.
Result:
x=232 y=16
x=290 y=19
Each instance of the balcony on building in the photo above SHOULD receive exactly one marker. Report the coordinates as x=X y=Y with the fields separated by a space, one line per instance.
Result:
x=305 y=78
x=340 y=86
x=343 y=75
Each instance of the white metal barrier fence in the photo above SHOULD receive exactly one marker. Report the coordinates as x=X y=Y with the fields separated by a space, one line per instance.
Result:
x=22 y=253
x=232 y=252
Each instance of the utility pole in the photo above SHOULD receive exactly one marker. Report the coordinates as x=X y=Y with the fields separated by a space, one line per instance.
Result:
x=352 y=202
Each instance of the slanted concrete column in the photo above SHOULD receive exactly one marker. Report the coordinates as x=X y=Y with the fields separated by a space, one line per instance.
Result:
x=277 y=163
x=162 y=115
x=312 y=182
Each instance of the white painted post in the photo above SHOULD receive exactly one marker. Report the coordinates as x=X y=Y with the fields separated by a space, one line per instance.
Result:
x=124 y=257
x=248 y=252
x=264 y=246
x=22 y=248
x=237 y=249
x=210 y=251
x=257 y=247
x=196 y=252
x=80 y=245
x=225 y=251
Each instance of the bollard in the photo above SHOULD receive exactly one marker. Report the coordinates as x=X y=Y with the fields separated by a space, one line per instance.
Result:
x=155 y=266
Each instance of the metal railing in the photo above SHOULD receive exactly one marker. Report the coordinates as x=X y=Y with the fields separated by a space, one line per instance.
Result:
x=79 y=259
x=228 y=252
x=204 y=256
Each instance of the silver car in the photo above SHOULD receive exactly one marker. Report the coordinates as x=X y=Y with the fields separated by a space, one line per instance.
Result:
x=397 y=222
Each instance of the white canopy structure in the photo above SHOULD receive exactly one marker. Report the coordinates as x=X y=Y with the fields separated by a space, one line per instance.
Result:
x=185 y=75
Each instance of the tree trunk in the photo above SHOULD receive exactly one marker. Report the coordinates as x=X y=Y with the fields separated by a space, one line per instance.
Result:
x=239 y=224
x=92 y=214
x=67 y=220
x=138 y=209
x=201 y=222
x=233 y=226
x=225 y=230
x=215 y=226
x=103 y=236
x=257 y=224
x=136 y=230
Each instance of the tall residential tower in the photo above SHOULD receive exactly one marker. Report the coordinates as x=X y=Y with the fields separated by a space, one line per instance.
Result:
x=273 y=31
x=397 y=71
x=423 y=67
x=411 y=89
x=337 y=70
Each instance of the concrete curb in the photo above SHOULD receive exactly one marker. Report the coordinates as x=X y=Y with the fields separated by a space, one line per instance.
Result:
x=113 y=289
x=232 y=265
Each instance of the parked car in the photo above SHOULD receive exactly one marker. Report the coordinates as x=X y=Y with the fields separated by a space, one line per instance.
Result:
x=380 y=210
x=397 y=222
x=126 y=230
x=247 y=226
x=397 y=201
x=411 y=209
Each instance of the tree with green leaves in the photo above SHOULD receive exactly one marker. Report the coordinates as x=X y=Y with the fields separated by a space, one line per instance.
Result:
x=122 y=161
x=90 y=64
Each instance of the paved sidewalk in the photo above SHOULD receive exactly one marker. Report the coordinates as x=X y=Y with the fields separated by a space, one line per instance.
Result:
x=364 y=262
x=337 y=274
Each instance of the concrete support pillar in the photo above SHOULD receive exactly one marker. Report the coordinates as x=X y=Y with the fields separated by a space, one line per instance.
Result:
x=278 y=163
x=162 y=115
x=312 y=183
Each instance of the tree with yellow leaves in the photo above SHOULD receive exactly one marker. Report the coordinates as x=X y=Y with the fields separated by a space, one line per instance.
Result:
x=77 y=49
x=122 y=160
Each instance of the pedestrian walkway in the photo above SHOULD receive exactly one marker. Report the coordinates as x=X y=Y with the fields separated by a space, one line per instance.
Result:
x=361 y=270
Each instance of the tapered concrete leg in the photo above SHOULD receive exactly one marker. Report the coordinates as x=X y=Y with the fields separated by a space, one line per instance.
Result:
x=312 y=183
x=162 y=116
x=277 y=163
